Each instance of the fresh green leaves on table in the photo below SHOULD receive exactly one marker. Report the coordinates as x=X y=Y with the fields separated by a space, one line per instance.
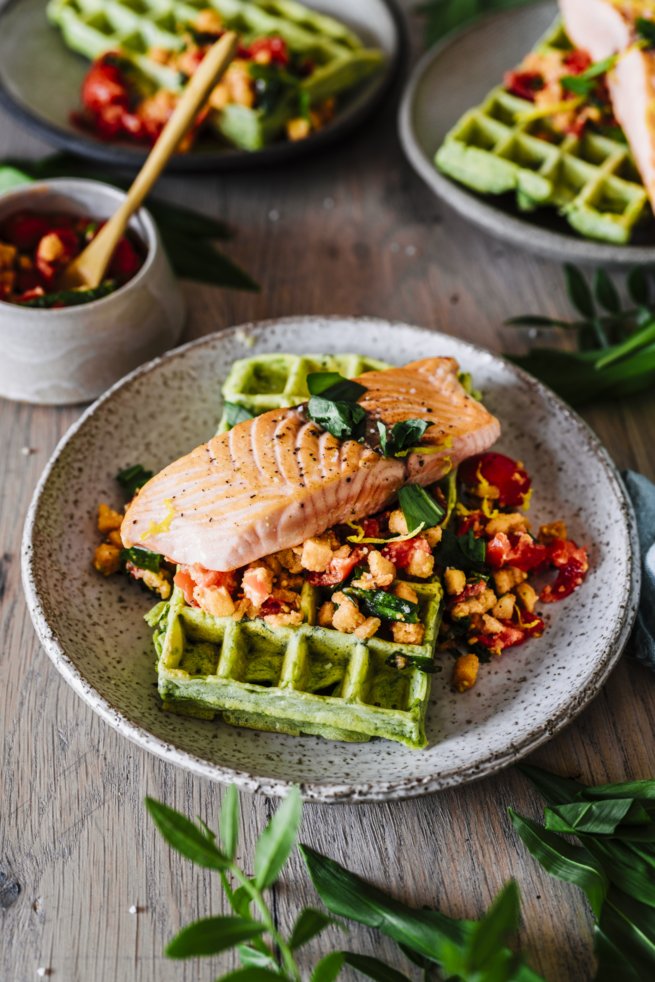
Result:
x=614 y=864
x=469 y=951
x=187 y=235
x=615 y=344
x=442 y=16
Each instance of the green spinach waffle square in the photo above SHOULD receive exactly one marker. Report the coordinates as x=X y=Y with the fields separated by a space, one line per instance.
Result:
x=499 y=147
x=304 y=679
x=135 y=27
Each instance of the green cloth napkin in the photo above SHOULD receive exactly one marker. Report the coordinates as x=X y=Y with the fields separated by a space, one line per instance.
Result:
x=642 y=495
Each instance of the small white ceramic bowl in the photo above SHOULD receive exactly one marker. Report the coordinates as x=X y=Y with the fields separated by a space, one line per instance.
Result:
x=72 y=354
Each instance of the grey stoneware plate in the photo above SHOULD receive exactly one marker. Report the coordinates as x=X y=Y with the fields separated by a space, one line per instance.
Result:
x=456 y=75
x=93 y=628
x=41 y=80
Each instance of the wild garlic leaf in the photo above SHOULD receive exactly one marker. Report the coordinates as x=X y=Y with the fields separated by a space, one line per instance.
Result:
x=461 y=551
x=579 y=292
x=228 y=821
x=251 y=973
x=329 y=967
x=419 y=507
x=277 y=840
x=563 y=860
x=373 y=968
x=597 y=817
x=211 y=935
x=309 y=923
x=625 y=789
x=185 y=837
x=494 y=928
x=555 y=789
x=141 y=558
x=334 y=386
x=606 y=293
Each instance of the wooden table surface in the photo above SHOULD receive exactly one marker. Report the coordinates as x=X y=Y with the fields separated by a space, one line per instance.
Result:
x=352 y=231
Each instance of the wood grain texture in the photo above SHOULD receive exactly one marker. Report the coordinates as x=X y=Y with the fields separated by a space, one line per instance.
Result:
x=353 y=232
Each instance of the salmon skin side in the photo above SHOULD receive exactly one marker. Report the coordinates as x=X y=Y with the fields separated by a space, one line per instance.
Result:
x=273 y=481
x=608 y=27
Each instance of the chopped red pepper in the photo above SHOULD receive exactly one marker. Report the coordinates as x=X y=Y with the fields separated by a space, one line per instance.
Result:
x=493 y=475
x=524 y=84
x=577 y=61
x=402 y=553
x=274 y=46
x=510 y=636
x=516 y=549
x=572 y=562
x=338 y=568
x=187 y=578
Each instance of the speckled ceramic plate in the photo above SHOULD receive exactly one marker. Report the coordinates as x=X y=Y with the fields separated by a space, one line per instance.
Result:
x=93 y=628
x=41 y=80
x=456 y=75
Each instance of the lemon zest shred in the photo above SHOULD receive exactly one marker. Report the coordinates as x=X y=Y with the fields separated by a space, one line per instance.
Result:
x=360 y=538
x=156 y=527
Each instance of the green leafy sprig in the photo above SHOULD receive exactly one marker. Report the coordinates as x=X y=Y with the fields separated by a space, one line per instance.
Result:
x=188 y=236
x=615 y=344
x=585 y=82
x=465 y=950
x=614 y=863
x=132 y=478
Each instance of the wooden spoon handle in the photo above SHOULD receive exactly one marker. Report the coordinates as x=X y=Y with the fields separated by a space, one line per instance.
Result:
x=89 y=268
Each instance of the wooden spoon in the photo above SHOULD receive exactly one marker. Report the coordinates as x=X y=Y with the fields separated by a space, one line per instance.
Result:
x=88 y=269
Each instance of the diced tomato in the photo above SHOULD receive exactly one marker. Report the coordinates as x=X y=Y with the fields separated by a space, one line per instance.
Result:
x=270 y=606
x=493 y=475
x=339 y=568
x=475 y=521
x=125 y=262
x=572 y=562
x=32 y=294
x=523 y=84
x=24 y=229
x=105 y=85
x=516 y=549
x=275 y=46
x=577 y=61
x=187 y=578
x=402 y=553
x=470 y=590
x=510 y=636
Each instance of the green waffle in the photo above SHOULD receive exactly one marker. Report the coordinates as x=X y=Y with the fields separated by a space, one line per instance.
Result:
x=304 y=679
x=133 y=27
x=590 y=179
x=278 y=381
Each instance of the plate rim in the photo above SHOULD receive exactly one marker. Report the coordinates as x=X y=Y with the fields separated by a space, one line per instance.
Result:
x=228 y=159
x=312 y=791
x=506 y=227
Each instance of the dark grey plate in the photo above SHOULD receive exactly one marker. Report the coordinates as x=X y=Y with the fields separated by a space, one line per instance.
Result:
x=453 y=77
x=41 y=79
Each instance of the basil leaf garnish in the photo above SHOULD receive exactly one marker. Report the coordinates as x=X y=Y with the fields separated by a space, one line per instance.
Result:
x=234 y=413
x=402 y=436
x=341 y=419
x=333 y=386
x=461 y=551
x=132 y=478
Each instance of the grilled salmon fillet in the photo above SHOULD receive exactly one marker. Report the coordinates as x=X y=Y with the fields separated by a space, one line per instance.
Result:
x=274 y=481
x=608 y=27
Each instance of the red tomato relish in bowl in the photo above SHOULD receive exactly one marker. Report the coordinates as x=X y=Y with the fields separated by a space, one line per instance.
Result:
x=36 y=247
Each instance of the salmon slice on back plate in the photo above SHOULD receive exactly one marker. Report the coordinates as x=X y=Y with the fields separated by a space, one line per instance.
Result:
x=609 y=27
x=273 y=481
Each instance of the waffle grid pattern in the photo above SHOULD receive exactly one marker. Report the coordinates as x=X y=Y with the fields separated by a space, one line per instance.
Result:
x=277 y=381
x=500 y=147
x=134 y=27
x=305 y=679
